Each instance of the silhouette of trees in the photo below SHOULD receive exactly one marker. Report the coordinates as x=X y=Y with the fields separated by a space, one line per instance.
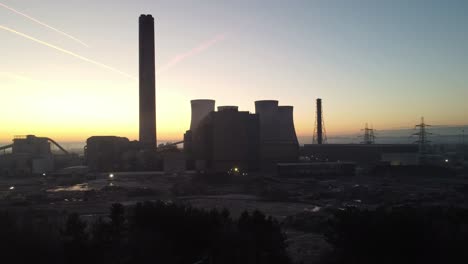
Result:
x=151 y=232
x=26 y=239
x=399 y=235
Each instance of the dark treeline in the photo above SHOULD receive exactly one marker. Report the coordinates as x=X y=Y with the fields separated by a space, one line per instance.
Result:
x=150 y=232
x=399 y=235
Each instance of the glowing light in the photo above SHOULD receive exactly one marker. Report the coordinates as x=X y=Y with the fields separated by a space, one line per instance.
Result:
x=67 y=52
x=111 y=176
x=12 y=188
x=44 y=174
x=236 y=169
x=44 y=24
x=446 y=160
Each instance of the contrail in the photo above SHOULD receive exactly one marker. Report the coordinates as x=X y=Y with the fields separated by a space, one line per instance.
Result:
x=44 y=24
x=67 y=52
x=21 y=77
x=205 y=45
x=15 y=76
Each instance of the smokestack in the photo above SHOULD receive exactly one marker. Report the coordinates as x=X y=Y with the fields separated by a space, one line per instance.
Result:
x=147 y=82
x=319 y=122
x=200 y=109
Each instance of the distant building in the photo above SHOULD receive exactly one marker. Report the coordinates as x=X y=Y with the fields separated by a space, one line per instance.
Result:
x=111 y=153
x=225 y=139
x=361 y=154
x=29 y=155
x=401 y=159
x=278 y=140
x=106 y=153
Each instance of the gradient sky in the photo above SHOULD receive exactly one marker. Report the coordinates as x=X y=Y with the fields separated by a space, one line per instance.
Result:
x=383 y=62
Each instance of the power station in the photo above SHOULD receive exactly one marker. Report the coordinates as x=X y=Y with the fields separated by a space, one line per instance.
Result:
x=228 y=138
x=218 y=141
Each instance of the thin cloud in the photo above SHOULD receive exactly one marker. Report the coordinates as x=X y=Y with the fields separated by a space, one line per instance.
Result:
x=200 y=48
x=67 y=52
x=44 y=24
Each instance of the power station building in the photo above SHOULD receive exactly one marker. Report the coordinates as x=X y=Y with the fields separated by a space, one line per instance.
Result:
x=105 y=153
x=30 y=155
x=362 y=154
x=219 y=141
x=278 y=140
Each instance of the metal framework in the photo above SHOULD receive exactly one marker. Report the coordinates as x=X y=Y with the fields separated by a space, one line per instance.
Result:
x=320 y=133
x=423 y=139
x=369 y=135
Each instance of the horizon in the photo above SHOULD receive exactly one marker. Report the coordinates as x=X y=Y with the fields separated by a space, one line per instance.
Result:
x=452 y=136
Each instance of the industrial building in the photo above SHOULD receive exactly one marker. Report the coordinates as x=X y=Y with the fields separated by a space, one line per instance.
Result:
x=106 y=153
x=362 y=154
x=316 y=169
x=278 y=140
x=228 y=138
x=222 y=140
x=29 y=155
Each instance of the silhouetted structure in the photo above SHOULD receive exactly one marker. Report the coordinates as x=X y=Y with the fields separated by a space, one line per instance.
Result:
x=369 y=136
x=111 y=153
x=229 y=138
x=278 y=140
x=362 y=154
x=316 y=169
x=200 y=109
x=222 y=140
x=104 y=153
x=320 y=135
x=29 y=155
x=147 y=83
x=423 y=140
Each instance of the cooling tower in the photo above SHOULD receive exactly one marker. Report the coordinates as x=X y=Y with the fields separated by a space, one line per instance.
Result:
x=268 y=114
x=200 y=109
x=278 y=141
x=287 y=133
x=147 y=88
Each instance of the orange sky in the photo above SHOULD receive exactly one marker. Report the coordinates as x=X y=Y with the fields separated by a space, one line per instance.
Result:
x=367 y=67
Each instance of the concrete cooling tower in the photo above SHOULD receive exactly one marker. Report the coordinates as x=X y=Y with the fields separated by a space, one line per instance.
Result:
x=287 y=133
x=278 y=141
x=268 y=113
x=200 y=109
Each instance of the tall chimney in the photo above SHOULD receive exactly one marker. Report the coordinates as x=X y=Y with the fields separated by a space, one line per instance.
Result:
x=147 y=83
x=319 y=122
